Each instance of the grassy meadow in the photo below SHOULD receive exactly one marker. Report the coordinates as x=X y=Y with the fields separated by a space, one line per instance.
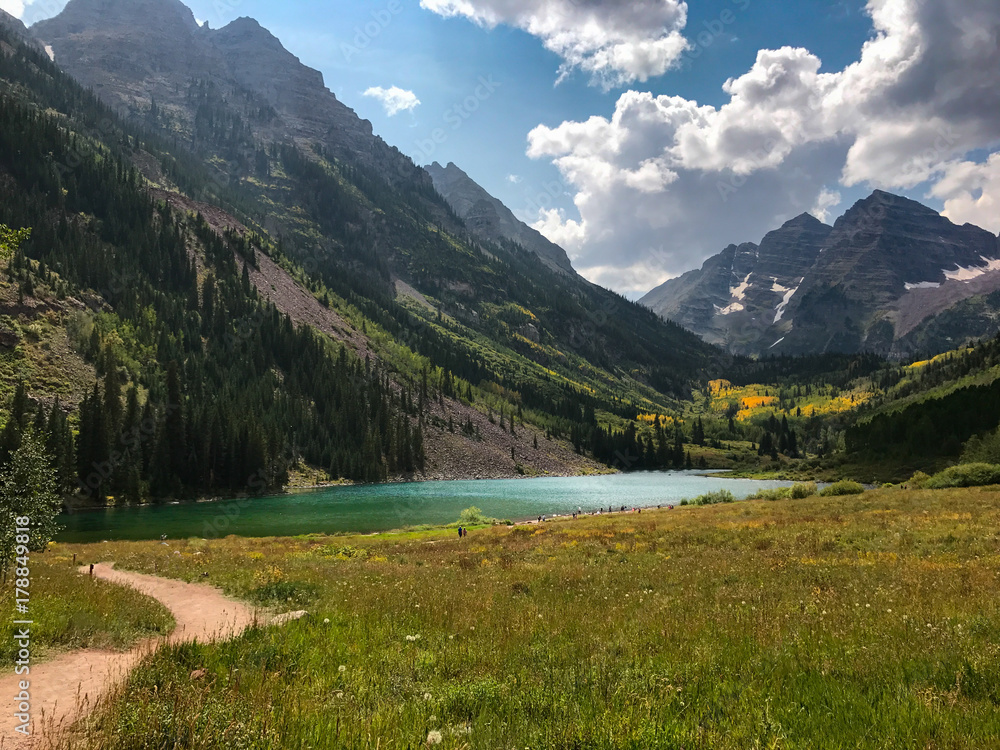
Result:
x=867 y=621
x=70 y=611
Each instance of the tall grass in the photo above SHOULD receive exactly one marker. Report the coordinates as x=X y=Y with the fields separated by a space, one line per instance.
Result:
x=853 y=622
x=73 y=611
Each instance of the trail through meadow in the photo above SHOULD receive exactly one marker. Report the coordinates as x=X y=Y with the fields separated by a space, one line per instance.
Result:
x=68 y=686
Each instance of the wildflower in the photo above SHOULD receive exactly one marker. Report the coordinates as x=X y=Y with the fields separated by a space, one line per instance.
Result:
x=326 y=620
x=434 y=738
x=342 y=668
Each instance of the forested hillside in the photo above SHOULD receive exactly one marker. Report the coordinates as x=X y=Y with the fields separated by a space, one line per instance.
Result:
x=203 y=387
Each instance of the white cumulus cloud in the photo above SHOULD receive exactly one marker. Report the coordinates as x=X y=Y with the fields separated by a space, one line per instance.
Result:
x=667 y=182
x=568 y=234
x=394 y=99
x=971 y=193
x=615 y=42
x=825 y=201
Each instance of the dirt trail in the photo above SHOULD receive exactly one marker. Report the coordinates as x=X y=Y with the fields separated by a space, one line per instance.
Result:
x=67 y=687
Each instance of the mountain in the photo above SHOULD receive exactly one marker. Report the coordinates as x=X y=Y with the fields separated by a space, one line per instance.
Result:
x=891 y=277
x=490 y=219
x=232 y=235
x=151 y=57
x=737 y=294
x=359 y=214
x=17 y=28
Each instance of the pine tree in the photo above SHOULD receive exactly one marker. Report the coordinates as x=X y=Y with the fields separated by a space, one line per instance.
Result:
x=10 y=438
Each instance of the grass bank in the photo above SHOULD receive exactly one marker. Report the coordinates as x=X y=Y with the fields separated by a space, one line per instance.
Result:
x=864 y=622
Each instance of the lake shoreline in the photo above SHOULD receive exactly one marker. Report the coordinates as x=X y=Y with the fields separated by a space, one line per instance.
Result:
x=301 y=489
x=392 y=506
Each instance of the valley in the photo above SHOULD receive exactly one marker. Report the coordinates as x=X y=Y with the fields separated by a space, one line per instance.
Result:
x=421 y=480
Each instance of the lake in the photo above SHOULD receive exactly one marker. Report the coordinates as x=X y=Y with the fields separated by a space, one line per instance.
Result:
x=385 y=507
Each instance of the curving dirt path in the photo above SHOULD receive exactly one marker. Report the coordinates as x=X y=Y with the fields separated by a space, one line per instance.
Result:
x=67 y=687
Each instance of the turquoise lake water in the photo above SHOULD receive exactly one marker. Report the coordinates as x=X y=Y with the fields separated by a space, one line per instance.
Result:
x=385 y=507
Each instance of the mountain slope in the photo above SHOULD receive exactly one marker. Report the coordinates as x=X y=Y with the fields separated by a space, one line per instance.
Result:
x=354 y=211
x=17 y=28
x=490 y=219
x=882 y=280
x=464 y=356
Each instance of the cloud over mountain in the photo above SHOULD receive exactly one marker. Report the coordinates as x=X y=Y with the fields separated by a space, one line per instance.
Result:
x=665 y=182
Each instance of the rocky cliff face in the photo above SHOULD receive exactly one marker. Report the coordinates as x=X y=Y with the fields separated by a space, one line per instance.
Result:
x=135 y=52
x=489 y=219
x=874 y=281
x=742 y=292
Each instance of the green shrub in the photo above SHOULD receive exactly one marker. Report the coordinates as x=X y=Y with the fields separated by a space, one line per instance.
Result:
x=803 y=490
x=795 y=492
x=714 y=498
x=473 y=517
x=840 y=489
x=965 y=475
x=918 y=481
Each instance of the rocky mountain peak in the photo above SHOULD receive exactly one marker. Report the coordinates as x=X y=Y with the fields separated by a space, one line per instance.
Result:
x=245 y=30
x=882 y=205
x=489 y=218
x=166 y=16
x=804 y=221
x=131 y=51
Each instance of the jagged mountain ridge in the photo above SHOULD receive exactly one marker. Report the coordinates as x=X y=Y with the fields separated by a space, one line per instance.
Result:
x=490 y=219
x=875 y=281
x=132 y=52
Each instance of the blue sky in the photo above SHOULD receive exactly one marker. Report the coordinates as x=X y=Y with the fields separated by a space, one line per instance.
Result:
x=638 y=161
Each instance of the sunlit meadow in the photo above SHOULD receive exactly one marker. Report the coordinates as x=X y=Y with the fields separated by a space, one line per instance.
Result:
x=844 y=622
